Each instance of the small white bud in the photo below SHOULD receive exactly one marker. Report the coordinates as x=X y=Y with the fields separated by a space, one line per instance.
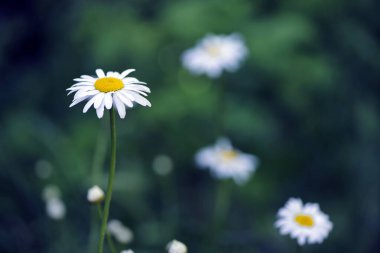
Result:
x=95 y=194
x=176 y=247
x=127 y=251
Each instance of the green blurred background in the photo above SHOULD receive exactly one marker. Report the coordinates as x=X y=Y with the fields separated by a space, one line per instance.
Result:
x=305 y=102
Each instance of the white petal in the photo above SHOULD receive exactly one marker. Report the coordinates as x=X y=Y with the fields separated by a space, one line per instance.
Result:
x=98 y=100
x=138 y=87
x=127 y=94
x=100 y=73
x=125 y=73
x=119 y=106
x=76 y=101
x=83 y=83
x=85 y=92
x=84 y=80
x=100 y=110
x=132 y=80
x=134 y=90
x=89 y=88
x=108 y=100
x=87 y=77
x=140 y=99
x=88 y=104
x=112 y=74
x=124 y=99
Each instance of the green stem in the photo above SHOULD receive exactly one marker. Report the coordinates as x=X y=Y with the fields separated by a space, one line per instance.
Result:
x=298 y=249
x=108 y=236
x=111 y=176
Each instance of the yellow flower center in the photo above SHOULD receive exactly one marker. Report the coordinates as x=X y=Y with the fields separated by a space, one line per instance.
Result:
x=107 y=84
x=304 y=220
x=229 y=154
x=213 y=51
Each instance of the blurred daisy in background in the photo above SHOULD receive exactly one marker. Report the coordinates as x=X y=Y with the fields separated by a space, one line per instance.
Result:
x=121 y=233
x=224 y=161
x=176 y=247
x=109 y=90
x=55 y=208
x=215 y=53
x=43 y=169
x=306 y=223
x=162 y=165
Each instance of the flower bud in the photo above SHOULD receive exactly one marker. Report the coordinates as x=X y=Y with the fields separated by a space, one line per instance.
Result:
x=95 y=194
x=176 y=247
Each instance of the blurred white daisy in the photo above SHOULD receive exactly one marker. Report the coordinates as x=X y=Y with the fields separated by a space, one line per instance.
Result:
x=225 y=161
x=215 y=53
x=121 y=233
x=306 y=223
x=43 y=169
x=109 y=90
x=95 y=194
x=162 y=165
x=55 y=208
x=176 y=247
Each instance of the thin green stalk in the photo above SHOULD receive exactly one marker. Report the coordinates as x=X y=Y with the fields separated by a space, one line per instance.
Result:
x=108 y=236
x=111 y=176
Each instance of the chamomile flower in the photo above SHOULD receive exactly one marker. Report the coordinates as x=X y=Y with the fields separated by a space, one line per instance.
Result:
x=214 y=54
x=224 y=161
x=109 y=90
x=121 y=233
x=176 y=247
x=306 y=223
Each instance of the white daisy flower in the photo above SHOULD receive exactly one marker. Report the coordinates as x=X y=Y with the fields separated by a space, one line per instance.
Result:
x=176 y=247
x=215 y=53
x=95 y=194
x=121 y=233
x=307 y=223
x=108 y=90
x=55 y=208
x=226 y=162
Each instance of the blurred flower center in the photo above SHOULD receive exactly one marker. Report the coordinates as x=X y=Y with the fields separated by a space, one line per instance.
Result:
x=304 y=220
x=229 y=154
x=213 y=50
x=107 y=84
